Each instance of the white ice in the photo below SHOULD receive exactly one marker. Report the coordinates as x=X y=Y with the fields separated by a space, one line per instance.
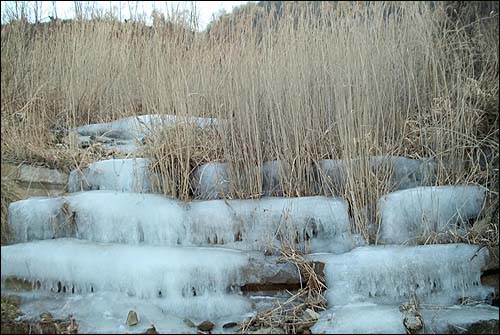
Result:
x=360 y=318
x=439 y=320
x=408 y=214
x=369 y=318
x=142 y=271
x=124 y=175
x=103 y=216
x=438 y=274
x=106 y=312
x=210 y=181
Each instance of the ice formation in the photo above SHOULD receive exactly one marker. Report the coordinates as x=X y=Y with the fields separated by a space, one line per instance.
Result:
x=142 y=271
x=210 y=181
x=438 y=274
x=369 y=318
x=360 y=318
x=404 y=172
x=104 y=216
x=440 y=320
x=127 y=134
x=123 y=175
x=408 y=214
x=105 y=312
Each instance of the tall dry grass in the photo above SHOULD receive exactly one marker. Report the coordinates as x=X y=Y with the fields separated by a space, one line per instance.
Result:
x=334 y=81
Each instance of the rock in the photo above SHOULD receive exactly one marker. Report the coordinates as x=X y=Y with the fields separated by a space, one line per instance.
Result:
x=189 y=323
x=414 y=213
x=484 y=327
x=29 y=181
x=151 y=330
x=16 y=284
x=123 y=175
x=210 y=181
x=46 y=317
x=311 y=315
x=268 y=330
x=229 y=325
x=132 y=318
x=73 y=327
x=206 y=326
x=412 y=320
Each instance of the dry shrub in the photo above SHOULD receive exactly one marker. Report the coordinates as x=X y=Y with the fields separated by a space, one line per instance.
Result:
x=9 y=195
x=297 y=85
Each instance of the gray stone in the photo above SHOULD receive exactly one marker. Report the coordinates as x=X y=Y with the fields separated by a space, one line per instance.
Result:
x=132 y=318
x=189 y=323
x=206 y=326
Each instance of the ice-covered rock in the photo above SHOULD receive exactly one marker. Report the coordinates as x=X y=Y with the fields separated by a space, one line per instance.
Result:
x=272 y=175
x=123 y=175
x=317 y=223
x=333 y=174
x=127 y=134
x=103 y=312
x=457 y=318
x=369 y=318
x=210 y=181
x=436 y=274
x=409 y=214
x=138 y=270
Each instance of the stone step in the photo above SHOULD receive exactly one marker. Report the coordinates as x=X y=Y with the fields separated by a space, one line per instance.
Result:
x=312 y=223
x=441 y=274
x=139 y=270
x=411 y=214
x=369 y=318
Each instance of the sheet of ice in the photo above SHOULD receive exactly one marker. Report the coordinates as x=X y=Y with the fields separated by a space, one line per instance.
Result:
x=436 y=274
x=368 y=318
x=360 y=318
x=104 y=216
x=142 y=271
x=440 y=320
x=210 y=181
x=404 y=172
x=106 y=312
x=408 y=214
x=124 y=175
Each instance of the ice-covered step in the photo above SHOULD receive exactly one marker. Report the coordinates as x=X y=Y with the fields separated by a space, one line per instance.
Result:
x=127 y=134
x=404 y=172
x=369 y=318
x=106 y=312
x=318 y=223
x=410 y=214
x=139 y=270
x=123 y=175
x=438 y=274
